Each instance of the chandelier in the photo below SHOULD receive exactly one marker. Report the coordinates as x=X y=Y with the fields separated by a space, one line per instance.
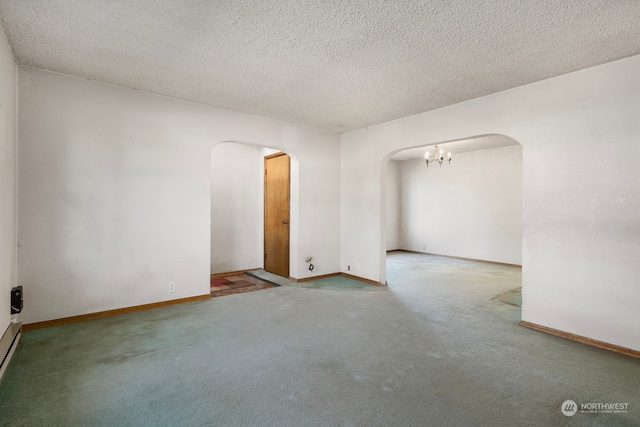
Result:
x=438 y=156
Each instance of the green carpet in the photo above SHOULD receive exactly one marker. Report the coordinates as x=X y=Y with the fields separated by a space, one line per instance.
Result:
x=431 y=349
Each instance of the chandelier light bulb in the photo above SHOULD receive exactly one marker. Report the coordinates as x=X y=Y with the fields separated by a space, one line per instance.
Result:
x=449 y=154
x=426 y=155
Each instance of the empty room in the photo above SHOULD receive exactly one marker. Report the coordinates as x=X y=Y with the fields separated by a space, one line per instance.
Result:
x=280 y=213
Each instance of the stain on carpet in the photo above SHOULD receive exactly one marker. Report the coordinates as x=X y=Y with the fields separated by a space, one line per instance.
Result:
x=511 y=297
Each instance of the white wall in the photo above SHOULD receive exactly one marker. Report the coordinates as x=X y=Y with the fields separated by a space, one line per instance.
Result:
x=114 y=191
x=393 y=206
x=8 y=243
x=471 y=208
x=581 y=193
x=237 y=217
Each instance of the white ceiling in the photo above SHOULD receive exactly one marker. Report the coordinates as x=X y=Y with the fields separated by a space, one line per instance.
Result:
x=456 y=147
x=334 y=64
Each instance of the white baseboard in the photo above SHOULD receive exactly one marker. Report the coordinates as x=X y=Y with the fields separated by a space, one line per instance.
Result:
x=8 y=344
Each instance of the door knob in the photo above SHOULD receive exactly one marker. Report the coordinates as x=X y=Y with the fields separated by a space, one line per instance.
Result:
x=285 y=221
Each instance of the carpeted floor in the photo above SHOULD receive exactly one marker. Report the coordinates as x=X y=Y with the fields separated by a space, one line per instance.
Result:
x=432 y=349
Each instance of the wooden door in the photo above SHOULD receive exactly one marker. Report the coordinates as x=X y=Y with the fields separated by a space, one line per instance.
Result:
x=276 y=214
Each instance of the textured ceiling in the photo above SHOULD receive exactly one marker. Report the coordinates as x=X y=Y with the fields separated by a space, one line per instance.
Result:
x=335 y=64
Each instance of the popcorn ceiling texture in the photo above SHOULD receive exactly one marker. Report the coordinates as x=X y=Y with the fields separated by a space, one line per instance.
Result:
x=336 y=65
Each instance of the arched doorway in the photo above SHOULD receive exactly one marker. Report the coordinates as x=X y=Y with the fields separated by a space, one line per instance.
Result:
x=445 y=217
x=237 y=206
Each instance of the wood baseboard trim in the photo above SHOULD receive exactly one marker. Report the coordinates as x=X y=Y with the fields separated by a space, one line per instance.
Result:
x=232 y=273
x=99 y=314
x=581 y=339
x=362 y=279
x=459 y=257
x=309 y=279
x=324 y=276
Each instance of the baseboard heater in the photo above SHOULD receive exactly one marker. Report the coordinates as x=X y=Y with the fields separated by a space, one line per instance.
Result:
x=8 y=345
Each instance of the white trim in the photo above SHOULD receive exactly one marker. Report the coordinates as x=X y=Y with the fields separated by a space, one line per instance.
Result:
x=8 y=344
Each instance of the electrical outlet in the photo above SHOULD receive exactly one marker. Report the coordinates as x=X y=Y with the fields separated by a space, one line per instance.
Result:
x=348 y=268
x=172 y=286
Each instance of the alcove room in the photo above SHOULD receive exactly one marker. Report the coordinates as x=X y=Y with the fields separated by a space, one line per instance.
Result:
x=454 y=219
